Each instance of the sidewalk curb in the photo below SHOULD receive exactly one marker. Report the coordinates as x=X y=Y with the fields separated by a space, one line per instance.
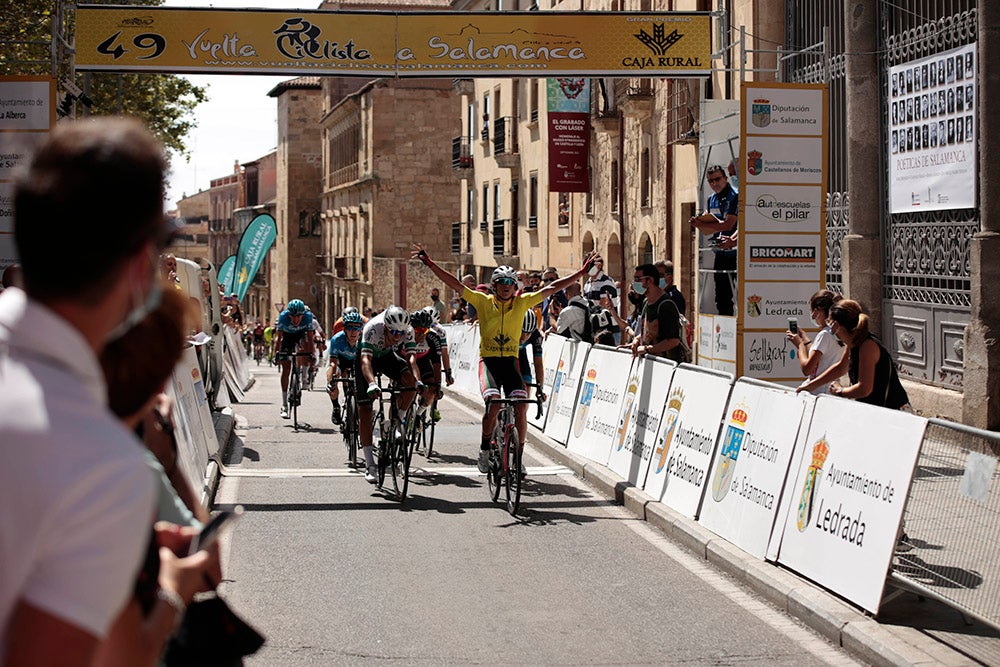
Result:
x=842 y=624
x=225 y=426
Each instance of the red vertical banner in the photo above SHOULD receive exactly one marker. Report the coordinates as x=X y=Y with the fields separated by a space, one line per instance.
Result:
x=569 y=133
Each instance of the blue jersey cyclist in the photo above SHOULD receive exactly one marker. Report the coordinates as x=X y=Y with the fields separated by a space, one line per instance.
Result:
x=378 y=355
x=294 y=331
x=340 y=353
x=501 y=315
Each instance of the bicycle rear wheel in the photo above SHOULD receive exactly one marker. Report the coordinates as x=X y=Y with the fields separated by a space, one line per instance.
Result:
x=351 y=432
x=512 y=468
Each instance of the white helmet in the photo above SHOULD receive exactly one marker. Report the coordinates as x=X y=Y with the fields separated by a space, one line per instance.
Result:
x=504 y=272
x=396 y=318
x=530 y=322
x=435 y=316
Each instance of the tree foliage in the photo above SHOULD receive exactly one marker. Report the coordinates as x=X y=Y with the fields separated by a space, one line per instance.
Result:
x=165 y=102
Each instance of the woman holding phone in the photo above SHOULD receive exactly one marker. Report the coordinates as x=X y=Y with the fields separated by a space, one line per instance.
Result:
x=823 y=351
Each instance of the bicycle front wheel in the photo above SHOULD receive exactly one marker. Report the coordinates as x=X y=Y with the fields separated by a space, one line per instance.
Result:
x=351 y=432
x=429 y=434
x=295 y=397
x=512 y=468
x=494 y=475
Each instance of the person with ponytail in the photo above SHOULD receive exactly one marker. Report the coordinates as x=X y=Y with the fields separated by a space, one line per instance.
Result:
x=818 y=354
x=866 y=361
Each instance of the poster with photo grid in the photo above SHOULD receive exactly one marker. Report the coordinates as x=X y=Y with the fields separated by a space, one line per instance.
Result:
x=932 y=132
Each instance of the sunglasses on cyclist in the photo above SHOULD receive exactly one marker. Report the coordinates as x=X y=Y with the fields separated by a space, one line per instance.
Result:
x=397 y=332
x=352 y=328
x=505 y=281
x=420 y=330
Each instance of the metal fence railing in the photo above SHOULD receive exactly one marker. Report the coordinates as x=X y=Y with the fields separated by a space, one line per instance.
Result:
x=950 y=548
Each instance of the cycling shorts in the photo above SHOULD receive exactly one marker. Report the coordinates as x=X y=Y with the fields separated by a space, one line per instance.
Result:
x=496 y=373
x=426 y=367
x=290 y=342
x=390 y=365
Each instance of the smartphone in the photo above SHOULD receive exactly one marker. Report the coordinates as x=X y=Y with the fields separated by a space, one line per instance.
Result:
x=211 y=530
x=793 y=325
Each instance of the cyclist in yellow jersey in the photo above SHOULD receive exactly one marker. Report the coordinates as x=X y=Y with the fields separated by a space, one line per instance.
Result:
x=501 y=315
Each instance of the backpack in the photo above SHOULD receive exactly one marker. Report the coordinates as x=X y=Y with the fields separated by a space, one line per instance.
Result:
x=596 y=321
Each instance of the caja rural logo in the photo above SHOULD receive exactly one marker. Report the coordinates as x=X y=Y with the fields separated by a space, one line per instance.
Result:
x=659 y=43
x=729 y=452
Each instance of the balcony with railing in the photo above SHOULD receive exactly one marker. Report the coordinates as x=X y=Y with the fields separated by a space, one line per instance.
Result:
x=499 y=237
x=505 y=142
x=344 y=175
x=324 y=265
x=461 y=156
x=636 y=96
x=456 y=238
x=346 y=267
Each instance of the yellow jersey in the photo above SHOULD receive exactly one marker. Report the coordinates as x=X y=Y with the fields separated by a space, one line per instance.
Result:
x=500 y=322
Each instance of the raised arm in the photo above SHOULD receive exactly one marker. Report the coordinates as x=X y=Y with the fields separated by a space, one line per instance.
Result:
x=448 y=279
x=562 y=283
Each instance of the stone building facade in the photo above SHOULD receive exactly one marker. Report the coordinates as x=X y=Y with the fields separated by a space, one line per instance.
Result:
x=193 y=213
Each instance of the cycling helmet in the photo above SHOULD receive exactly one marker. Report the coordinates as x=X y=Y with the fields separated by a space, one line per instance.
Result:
x=504 y=273
x=435 y=316
x=353 y=318
x=530 y=322
x=349 y=309
x=421 y=318
x=296 y=307
x=396 y=318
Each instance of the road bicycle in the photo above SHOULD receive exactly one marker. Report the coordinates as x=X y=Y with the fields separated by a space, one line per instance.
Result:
x=294 y=385
x=258 y=352
x=505 y=451
x=425 y=426
x=397 y=437
x=349 y=422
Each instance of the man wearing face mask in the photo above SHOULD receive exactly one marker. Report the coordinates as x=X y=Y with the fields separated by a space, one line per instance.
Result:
x=720 y=220
x=76 y=494
x=599 y=283
x=661 y=327
x=441 y=309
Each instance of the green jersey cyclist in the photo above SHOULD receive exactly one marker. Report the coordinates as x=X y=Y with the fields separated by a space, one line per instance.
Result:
x=501 y=315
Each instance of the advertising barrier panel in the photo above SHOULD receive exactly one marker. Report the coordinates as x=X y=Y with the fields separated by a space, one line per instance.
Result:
x=851 y=481
x=602 y=389
x=685 y=442
x=551 y=349
x=463 y=346
x=750 y=465
x=569 y=370
x=196 y=437
x=639 y=417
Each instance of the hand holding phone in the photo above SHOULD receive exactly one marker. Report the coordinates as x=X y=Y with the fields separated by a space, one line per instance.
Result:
x=793 y=325
x=210 y=532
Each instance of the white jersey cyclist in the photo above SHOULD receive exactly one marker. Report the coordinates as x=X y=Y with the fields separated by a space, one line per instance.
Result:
x=375 y=343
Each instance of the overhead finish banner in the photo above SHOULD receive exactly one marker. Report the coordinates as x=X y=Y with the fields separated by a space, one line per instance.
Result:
x=430 y=44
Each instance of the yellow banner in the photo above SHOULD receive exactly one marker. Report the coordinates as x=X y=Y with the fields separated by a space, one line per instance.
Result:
x=439 y=44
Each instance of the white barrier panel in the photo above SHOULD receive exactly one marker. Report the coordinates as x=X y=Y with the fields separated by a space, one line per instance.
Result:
x=852 y=477
x=639 y=417
x=682 y=453
x=602 y=389
x=196 y=439
x=569 y=370
x=237 y=357
x=551 y=349
x=751 y=464
x=463 y=347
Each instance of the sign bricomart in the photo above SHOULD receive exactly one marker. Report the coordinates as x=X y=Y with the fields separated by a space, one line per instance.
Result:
x=438 y=44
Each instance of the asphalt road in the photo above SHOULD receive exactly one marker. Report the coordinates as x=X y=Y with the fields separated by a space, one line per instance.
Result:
x=334 y=572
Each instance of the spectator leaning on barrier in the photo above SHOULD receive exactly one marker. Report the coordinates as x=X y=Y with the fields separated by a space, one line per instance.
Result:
x=661 y=327
x=866 y=361
x=666 y=269
x=572 y=322
x=76 y=493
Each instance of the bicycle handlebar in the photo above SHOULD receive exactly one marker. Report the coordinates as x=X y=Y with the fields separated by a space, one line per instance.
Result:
x=520 y=401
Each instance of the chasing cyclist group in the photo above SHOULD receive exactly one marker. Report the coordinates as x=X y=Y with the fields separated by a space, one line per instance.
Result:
x=411 y=350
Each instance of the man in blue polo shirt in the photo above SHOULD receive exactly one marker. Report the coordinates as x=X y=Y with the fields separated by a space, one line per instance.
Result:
x=721 y=222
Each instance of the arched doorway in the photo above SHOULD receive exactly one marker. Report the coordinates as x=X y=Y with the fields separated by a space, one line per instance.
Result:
x=613 y=259
x=588 y=242
x=644 y=252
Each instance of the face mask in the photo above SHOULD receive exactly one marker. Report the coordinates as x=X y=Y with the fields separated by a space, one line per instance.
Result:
x=663 y=283
x=435 y=297
x=638 y=287
x=139 y=311
x=634 y=298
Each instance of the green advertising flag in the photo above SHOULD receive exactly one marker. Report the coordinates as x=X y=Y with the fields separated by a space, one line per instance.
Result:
x=225 y=276
x=257 y=239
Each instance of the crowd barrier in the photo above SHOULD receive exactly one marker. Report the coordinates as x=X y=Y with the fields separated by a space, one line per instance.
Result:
x=817 y=485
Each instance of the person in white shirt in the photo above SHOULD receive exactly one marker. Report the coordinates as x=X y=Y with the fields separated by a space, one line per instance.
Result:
x=824 y=350
x=600 y=284
x=76 y=492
